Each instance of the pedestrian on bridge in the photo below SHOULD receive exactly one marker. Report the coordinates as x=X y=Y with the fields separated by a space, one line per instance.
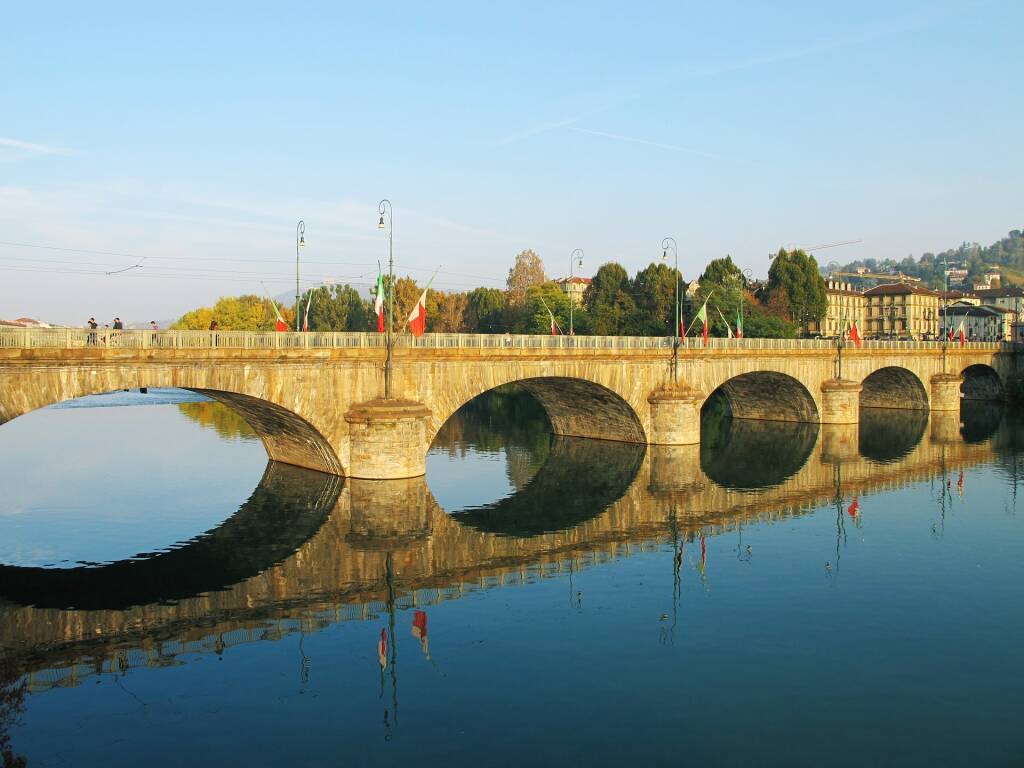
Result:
x=93 y=325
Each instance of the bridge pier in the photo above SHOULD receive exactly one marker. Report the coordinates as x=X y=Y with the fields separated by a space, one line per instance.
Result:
x=675 y=416
x=840 y=401
x=945 y=394
x=387 y=439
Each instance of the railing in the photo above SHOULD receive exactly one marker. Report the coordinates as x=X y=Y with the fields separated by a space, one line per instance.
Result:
x=105 y=338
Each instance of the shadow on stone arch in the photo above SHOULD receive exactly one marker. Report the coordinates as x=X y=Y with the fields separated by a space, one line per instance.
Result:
x=768 y=396
x=893 y=387
x=886 y=434
x=981 y=382
x=285 y=510
x=748 y=454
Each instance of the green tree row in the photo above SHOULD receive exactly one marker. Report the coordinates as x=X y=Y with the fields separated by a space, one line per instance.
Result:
x=613 y=303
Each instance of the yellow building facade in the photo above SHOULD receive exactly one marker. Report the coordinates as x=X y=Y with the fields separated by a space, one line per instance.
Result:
x=901 y=311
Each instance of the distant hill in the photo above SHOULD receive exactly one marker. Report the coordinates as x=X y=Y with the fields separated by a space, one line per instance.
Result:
x=1005 y=256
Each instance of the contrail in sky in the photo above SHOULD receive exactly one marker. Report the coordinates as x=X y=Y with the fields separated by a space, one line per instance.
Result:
x=29 y=147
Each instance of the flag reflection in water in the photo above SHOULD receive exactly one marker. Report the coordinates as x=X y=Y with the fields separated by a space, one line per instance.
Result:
x=419 y=631
x=382 y=649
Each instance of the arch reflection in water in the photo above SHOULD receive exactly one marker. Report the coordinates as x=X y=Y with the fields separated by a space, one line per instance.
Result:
x=747 y=454
x=286 y=509
x=579 y=479
x=979 y=420
x=888 y=434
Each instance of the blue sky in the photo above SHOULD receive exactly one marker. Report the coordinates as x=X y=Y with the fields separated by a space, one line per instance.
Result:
x=196 y=137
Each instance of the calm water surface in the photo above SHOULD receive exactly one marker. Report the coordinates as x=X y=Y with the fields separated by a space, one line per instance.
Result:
x=784 y=595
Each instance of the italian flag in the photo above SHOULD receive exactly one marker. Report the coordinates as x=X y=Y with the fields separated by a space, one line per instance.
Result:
x=418 y=317
x=739 y=322
x=961 y=334
x=378 y=302
x=702 y=315
x=305 y=316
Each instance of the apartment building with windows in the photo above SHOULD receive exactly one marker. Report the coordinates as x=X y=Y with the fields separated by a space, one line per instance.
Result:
x=904 y=311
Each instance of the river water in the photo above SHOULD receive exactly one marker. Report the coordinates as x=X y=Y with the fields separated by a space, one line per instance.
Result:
x=784 y=595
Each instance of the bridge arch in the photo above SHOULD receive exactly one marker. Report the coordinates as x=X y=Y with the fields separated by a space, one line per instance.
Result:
x=287 y=437
x=768 y=396
x=893 y=387
x=981 y=382
x=575 y=406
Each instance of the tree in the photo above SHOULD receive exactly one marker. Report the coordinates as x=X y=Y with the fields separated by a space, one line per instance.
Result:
x=760 y=322
x=609 y=302
x=540 y=299
x=235 y=313
x=527 y=271
x=654 y=292
x=485 y=311
x=795 y=279
x=337 y=308
x=723 y=286
x=446 y=312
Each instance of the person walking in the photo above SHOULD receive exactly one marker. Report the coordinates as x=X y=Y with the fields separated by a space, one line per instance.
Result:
x=213 y=333
x=93 y=325
x=118 y=326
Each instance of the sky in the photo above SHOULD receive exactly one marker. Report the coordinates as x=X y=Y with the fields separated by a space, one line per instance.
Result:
x=154 y=159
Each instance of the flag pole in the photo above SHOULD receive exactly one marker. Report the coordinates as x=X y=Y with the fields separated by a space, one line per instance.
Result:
x=552 y=315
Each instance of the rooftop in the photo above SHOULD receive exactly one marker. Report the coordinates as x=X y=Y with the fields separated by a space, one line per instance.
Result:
x=899 y=289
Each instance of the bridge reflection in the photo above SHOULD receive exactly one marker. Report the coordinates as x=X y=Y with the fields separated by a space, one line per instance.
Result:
x=286 y=510
x=304 y=553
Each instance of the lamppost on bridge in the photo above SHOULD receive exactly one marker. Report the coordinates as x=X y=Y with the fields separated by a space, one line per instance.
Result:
x=575 y=259
x=665 y=244
x=389 y=340
x=300 y=241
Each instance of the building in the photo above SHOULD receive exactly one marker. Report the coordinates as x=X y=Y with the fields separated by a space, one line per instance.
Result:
x=1011 y=297
x=959 y=297
x=574 y=287
x=901 y=311
x=981 y=322
x=845 y=306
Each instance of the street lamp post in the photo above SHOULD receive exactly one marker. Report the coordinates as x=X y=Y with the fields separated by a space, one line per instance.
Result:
x=945 y=314
x=665 y=244
x=300 y=240
x=389 y=341
x=575 y=258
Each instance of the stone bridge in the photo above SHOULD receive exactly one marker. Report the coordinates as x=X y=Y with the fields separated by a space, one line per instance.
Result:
x=316 y=400
x=307 y=547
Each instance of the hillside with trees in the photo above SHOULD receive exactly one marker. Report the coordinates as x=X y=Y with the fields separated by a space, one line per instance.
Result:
x=1005 y=256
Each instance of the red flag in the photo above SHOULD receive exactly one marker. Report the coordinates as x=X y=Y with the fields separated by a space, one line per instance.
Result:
x=281 y=326
x=418 y=317
x=855 y=335
x=554 y=325
x=963 y=336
